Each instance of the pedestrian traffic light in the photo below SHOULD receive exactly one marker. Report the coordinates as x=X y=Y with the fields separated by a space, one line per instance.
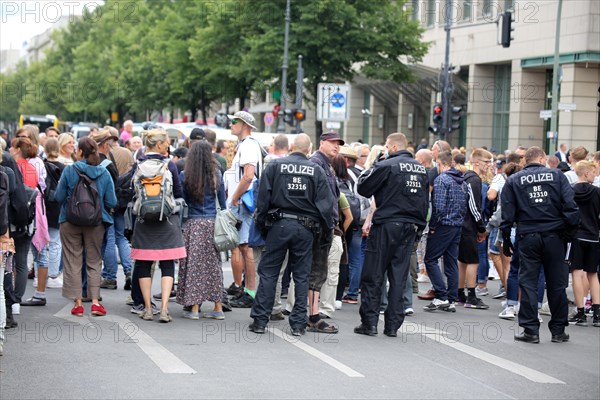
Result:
x=288 y=116
x=456 y=111
x=436 y=118
x=507 y=29
x=300 y=114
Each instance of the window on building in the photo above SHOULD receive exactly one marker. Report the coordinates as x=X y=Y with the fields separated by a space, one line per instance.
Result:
x=415 y=9
x=467 y=10
x=430 y=13
x=502 y=93
x=486 y=8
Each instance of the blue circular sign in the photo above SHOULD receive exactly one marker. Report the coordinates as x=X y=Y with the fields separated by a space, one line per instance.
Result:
x=337 y=100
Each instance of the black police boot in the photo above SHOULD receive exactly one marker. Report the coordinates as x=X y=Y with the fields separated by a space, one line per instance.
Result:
x=363 y=329
x=527 y=338
x=254 y=327
x=560 y=338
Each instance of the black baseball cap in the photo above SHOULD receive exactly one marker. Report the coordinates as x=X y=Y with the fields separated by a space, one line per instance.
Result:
x=332 y=136
x=197 y=134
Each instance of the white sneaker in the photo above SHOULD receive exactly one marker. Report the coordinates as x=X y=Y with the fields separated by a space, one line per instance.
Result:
x=437 y=304
x=422 y=278
x=16 y=309
x=540 y=318
x=508 y=313
x=409 y=311
x=338 y=305
x=54 y=283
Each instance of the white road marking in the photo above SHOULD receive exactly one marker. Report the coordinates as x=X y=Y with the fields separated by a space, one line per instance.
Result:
x=440 y=337
x=163 y=358
x=317 y=354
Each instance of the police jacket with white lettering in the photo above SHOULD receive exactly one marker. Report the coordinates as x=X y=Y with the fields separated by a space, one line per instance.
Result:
x=401 y=189
x=296 y=186
x=538 y=199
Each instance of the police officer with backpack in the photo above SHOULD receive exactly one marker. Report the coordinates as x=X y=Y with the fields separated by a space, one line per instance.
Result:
x=541 y=202
x=294 y=201
x=401 y=189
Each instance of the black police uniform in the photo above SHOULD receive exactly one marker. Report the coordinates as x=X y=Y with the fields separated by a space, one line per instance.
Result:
x=401 y=189
x=293 y=201
x=540 y=201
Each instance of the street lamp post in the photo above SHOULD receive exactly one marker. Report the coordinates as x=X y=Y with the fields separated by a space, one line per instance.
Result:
x=284 y=68
x=554 y=120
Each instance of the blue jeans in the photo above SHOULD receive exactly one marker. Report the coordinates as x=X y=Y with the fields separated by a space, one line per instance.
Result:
x=484 y=263
x=443 y=241
x=54 y=252
x=122 y=242
x=109 y=254
x=115 y=235
x=354 y=262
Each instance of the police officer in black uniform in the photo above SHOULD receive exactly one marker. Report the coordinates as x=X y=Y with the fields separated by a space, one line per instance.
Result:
x=401 y=189
x=540 y=201
x=293 y=202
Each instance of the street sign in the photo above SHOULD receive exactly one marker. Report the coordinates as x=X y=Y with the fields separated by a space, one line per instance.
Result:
x=567 y=107
x=333 y=102
x=269 y=119
x=546 y=114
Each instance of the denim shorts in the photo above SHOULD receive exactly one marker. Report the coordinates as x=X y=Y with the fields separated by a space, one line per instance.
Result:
x=242 y=214
x=495 y=241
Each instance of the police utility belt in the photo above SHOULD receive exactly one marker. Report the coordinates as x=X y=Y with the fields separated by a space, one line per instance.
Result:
x=305 y=221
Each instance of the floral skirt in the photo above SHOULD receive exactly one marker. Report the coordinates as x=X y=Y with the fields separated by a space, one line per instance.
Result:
x=200 y=274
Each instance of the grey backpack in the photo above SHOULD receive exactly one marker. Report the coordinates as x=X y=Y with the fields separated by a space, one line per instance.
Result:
x=153 y=182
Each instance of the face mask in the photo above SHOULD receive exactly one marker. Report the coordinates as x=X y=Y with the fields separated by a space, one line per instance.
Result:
x=386 y=154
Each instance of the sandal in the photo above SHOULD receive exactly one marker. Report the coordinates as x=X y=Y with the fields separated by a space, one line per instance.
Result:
x=321 y=327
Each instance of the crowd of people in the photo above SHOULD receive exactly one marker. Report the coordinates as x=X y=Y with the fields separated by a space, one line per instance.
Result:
x=331 y=225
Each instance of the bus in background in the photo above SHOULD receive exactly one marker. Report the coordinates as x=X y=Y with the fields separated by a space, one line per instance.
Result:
x=42 y=121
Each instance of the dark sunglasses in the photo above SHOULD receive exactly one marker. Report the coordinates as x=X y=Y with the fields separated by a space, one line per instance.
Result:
x=234 y=121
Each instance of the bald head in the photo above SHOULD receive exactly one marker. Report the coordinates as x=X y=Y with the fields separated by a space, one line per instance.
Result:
x=302 y=143
x=425 y=157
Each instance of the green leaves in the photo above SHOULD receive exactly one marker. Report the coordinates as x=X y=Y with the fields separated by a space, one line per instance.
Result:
x=189 y=54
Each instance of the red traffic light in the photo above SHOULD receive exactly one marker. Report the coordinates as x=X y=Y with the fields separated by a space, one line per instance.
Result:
x=437 y=109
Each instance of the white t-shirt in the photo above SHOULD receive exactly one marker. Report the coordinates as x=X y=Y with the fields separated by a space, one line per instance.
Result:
x=498 y=183
x=571 y=176
x=248 y=152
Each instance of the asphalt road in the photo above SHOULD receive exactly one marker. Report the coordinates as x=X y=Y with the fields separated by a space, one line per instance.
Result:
x=469 y=354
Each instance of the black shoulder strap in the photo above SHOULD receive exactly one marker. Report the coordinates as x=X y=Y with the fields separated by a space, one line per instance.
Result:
x=112 y=158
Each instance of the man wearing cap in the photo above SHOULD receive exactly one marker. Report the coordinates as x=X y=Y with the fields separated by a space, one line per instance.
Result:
x=105 y=140
x=328 y=149
x=247 y=167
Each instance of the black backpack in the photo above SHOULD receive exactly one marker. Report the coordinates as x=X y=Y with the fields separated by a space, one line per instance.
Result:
x=53 y=173
x=124 y=189
x=84 y=207
x=354 y=202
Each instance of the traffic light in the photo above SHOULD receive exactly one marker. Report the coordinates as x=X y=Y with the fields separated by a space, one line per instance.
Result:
x=300 y=114
x=288 y=116
x=436 y=117
x=507 y=29
x=456 y=111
